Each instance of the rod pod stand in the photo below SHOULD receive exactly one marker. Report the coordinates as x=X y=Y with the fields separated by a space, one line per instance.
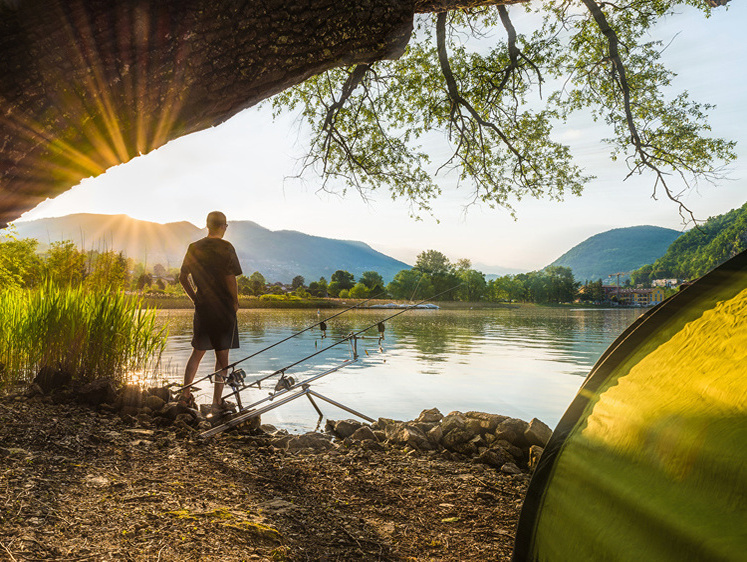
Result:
x=284 y=396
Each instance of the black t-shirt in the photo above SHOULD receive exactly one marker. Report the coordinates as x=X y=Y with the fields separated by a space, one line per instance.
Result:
x=209 y=261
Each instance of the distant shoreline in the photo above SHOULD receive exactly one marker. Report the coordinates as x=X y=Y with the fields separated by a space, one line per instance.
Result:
x=162 y=302
x=171 y=303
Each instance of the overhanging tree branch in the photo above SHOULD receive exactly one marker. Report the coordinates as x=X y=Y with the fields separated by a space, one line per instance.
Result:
x=646 y=153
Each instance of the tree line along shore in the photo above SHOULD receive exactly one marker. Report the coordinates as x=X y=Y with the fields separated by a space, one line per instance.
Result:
x=23 y=266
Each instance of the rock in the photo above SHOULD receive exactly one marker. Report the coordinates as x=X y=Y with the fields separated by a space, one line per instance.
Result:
x=369 y=445
x=452 y=422
x=130 y=397
x=33 y=390
x=506 y=435
x=477 y=441
x=469 y=448
x=250 y=425
x=269 y=429
x=380 y=434
x=97 y=392
x=495 y=457
x=186 y=418
x=535 y=452
x=537 y=433
x=403 y=434
x=52 y=378
x=436 y=434
x=154 y=402
x=455 y=439
x=166 y=422
x=172 y=409
x=513 y=426
x=423 y=426
x=161 y=392
x=364 y=433
x=281 y=442
x=344 y=428
x=183 y=425
x=311 y=440
x=381 y=423
x=516 y=452
x=430 y=416
x=510 y=468
x=476 y=427
x=489 y=421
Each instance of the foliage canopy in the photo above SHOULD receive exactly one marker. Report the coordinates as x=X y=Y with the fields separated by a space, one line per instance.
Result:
x=496 y=92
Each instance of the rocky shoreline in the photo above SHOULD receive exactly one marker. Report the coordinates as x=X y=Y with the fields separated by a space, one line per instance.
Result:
x=106 y=475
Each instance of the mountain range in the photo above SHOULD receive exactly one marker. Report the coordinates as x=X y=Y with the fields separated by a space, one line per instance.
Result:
x=283 y=254
x=277 y=255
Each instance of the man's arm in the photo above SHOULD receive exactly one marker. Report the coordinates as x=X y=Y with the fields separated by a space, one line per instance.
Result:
x=188 y=288
x=233 y=288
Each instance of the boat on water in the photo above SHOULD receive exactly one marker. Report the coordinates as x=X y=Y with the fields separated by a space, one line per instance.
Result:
x=426 y=306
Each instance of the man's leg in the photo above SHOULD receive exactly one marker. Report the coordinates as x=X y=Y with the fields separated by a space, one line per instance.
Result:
x=221 y=364
x=191 y=370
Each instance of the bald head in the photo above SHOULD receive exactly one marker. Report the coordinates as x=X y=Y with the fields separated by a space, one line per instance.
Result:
x=216 y=221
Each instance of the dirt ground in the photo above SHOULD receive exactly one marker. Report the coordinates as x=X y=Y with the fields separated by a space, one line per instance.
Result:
x=79 y=484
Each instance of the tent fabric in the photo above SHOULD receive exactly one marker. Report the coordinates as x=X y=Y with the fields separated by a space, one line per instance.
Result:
x=649 y=462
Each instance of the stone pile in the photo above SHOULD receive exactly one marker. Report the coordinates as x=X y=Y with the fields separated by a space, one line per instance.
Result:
x=146 y=407
x=508 y=444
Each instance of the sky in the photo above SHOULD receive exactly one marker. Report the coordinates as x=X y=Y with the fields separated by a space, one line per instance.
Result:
x=244 y=167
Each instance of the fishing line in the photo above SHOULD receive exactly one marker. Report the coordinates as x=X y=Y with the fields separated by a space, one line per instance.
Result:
x=320 y=323
x=379 y=324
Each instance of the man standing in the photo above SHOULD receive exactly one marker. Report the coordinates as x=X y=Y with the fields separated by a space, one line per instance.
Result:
x=208 y=275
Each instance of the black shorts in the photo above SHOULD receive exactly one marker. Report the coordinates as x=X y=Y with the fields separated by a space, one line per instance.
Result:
x=215 y=329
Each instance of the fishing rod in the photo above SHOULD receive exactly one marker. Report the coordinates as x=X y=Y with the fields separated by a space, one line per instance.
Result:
x=288 y=389
x=236 y=379
x=322 y=323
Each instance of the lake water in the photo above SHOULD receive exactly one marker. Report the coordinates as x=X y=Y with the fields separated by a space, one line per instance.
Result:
x=523 y=362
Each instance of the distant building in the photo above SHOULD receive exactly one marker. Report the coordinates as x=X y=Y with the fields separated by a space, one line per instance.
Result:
x=635 y=297
x=668 y=283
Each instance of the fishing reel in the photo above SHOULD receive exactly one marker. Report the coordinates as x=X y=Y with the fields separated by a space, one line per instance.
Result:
x=284 y=383
x=235 y=379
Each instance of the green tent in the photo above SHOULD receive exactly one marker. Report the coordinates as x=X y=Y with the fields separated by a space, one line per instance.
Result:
x=649 y=462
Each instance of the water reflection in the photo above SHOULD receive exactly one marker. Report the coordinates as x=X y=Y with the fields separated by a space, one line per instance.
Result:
x=524 y=362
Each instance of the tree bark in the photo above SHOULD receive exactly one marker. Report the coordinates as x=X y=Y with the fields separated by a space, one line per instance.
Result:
x=88 y=84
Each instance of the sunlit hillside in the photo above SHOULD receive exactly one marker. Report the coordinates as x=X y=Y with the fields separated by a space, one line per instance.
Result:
x=278 y=255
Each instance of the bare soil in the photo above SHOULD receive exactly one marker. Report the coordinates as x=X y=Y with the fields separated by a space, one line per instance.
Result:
x=80 y=484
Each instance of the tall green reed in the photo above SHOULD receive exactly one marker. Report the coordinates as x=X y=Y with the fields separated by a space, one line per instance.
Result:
x=87 y=333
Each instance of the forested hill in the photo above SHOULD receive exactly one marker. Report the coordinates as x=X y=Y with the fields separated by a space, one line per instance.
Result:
x=701 y=249
x=620 y=250
x=277 y=255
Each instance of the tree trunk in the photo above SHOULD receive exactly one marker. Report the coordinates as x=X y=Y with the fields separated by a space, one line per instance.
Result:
x=88 y=84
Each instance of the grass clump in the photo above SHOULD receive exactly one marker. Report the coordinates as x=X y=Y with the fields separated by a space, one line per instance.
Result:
x=88 y=333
